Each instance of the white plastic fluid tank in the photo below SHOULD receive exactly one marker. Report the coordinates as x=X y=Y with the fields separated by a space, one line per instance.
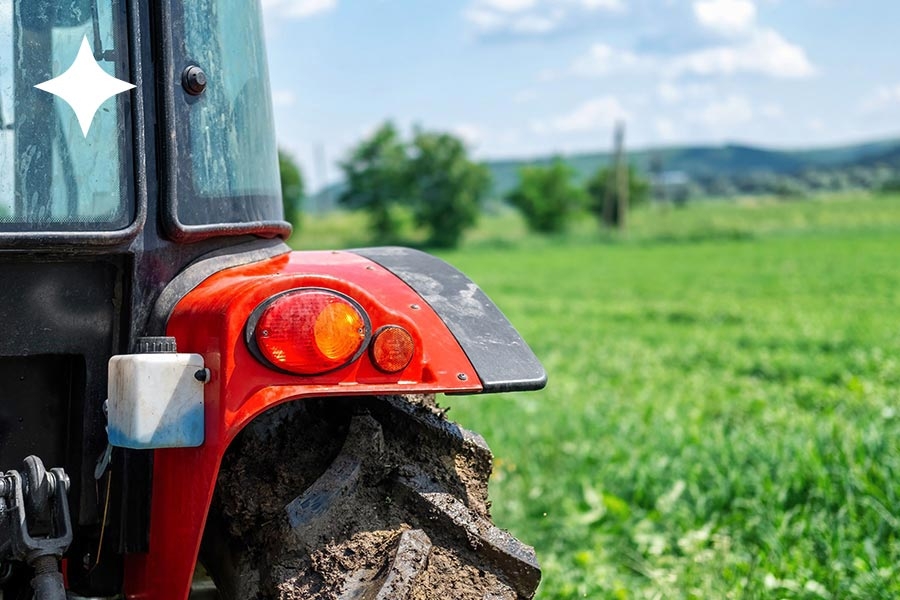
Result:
x=156 y=400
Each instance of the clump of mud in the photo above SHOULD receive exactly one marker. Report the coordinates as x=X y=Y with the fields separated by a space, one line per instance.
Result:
x=323 y=505
x=273 y=459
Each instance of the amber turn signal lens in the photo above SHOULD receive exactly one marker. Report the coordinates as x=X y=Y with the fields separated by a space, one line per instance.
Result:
x=311 y=331
x=392 y=349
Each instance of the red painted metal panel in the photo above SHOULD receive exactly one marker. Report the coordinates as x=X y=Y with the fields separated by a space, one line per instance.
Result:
x=210 y=321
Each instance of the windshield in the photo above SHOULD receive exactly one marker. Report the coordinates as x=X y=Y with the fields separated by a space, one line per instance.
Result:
x=54 y=175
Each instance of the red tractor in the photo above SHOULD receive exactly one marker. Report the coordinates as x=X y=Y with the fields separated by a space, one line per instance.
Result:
x=226 y=418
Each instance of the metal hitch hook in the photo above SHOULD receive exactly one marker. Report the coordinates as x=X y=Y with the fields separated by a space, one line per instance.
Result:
x=35 y=526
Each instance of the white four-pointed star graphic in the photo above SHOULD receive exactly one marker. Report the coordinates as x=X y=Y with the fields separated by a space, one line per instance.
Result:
x=85 y=86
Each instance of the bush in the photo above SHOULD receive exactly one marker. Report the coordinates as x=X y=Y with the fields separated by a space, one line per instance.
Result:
x=447 y=188
x=891 y=186
x=600 y=190
x=376 y=181
x=547 y=197
x=431 y=177
x=291 y=188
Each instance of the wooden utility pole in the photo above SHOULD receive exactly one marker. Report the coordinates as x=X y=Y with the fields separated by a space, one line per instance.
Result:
x=321 y=201
x=615 y=208
x=659 y=188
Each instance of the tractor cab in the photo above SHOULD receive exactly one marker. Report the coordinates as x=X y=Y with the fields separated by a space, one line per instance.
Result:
x=156 y=327
x=217 y=168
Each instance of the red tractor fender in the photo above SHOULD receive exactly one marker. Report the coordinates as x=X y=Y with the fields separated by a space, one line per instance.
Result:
x=210 y=320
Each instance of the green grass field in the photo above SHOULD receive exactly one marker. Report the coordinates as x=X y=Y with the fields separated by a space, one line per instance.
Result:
x=723 y=413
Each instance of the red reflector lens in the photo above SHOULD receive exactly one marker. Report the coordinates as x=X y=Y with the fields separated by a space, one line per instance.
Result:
x=392 y=349
x=311 y=331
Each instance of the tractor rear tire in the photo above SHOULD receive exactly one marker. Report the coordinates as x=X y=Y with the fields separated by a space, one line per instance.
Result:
x=368 y=499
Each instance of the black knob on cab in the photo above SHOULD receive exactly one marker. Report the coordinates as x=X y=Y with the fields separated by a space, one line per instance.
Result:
x=193 y=80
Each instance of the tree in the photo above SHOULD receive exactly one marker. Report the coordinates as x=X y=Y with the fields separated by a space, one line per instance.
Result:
x=601 y=190
x=376 y=176
x=447 y=187
x=891 y=186
x=546 y=196
x=292 y=188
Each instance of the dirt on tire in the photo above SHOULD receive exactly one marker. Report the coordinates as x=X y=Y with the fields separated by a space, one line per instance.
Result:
x=361 y=499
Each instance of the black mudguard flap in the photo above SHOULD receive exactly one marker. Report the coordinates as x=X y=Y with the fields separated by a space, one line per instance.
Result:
x=501 y=357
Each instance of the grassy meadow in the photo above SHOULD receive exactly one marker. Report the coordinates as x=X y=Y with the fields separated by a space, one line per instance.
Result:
x=723 y=413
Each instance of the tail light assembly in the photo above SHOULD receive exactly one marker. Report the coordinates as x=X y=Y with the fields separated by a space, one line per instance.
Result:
x=312 y=331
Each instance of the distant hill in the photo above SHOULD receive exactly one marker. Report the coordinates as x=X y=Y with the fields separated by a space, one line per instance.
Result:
x=736 y=167
x=700 y=163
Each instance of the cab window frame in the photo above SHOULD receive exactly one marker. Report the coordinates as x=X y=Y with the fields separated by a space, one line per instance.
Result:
x=130 y=107
x=178 y=182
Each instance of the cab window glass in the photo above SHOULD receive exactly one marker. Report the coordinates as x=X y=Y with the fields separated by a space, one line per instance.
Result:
x=233 y=156
x=52 y=176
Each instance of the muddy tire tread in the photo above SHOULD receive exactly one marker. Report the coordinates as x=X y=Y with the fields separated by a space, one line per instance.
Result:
x=400 y=512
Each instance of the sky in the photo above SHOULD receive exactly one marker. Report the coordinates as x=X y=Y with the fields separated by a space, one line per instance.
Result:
x=528 y=78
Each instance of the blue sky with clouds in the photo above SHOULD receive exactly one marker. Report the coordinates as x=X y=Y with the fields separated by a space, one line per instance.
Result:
x=520 y=78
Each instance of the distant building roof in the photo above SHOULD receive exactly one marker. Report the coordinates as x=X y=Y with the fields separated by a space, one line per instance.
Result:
x=671 y=179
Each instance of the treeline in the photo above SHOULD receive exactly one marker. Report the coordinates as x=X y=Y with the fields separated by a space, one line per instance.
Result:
x=430 y=181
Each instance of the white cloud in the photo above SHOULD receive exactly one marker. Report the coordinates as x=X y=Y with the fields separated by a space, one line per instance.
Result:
x=298 y=9
x=532 y=17
x=488 y=20
x=549 y=75
x=530 y=24
x=726 y=17
x=612 y=5
x=672 y=93
x=883 y=97
x=666 y=129
x=754 y=49
x=511 y=6
x=471 y=134
x=589 y=5
x=749 y=48
x=764 y=52
x=598 y=114
x=725 y=115
x=771 y=110
x=485 y=19
x=525 y=96
x=603 y=59
x=283 y=98
x=731 y=111
x=504 y=142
